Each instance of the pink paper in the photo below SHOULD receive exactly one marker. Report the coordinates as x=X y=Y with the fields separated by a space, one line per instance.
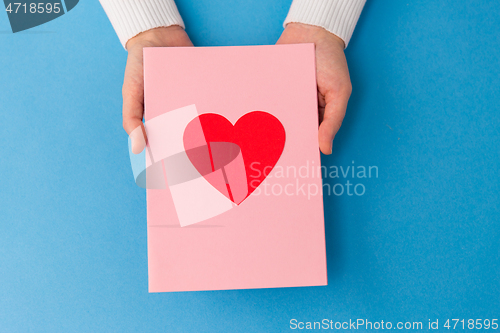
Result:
x=204 y=232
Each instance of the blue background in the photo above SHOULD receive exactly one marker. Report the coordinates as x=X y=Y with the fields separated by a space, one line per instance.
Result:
x=421 y=243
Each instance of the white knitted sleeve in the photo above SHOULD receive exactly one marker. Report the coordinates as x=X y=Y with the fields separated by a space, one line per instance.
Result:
x=131 y=17
x=337 y=16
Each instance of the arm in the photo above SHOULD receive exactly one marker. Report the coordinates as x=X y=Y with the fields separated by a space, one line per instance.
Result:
x=131 y=17
x=139 y=24
x=328 y=24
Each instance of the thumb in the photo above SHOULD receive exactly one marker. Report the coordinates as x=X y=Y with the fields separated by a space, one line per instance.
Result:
x=332 y=120
x=133 y=111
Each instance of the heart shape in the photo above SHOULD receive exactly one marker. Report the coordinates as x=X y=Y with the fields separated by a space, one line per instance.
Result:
x=235 y=159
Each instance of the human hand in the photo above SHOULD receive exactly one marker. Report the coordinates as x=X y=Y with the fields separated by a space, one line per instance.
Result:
x=332 y=75
x=133 y=83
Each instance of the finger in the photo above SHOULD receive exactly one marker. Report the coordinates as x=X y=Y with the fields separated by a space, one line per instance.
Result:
x=133 y=111
x=332 y=119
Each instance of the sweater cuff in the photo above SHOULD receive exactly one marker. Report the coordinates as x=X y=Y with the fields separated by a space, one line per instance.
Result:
x=337 y=16
x=131 y=17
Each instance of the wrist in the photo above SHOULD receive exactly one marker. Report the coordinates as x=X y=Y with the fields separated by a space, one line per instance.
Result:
x=303 y=33
x=173 y=35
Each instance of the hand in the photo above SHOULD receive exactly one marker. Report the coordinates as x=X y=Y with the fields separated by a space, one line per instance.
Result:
x=133 y=83
x=332 y=75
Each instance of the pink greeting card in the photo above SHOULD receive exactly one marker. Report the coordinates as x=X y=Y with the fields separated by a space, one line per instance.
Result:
x=232 y=168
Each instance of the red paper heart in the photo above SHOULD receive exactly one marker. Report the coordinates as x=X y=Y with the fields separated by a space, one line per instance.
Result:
x=258 y=135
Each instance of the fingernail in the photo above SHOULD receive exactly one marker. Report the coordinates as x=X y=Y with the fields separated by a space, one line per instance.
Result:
x=137 y=141
x=133 y=143
x=136 y=146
